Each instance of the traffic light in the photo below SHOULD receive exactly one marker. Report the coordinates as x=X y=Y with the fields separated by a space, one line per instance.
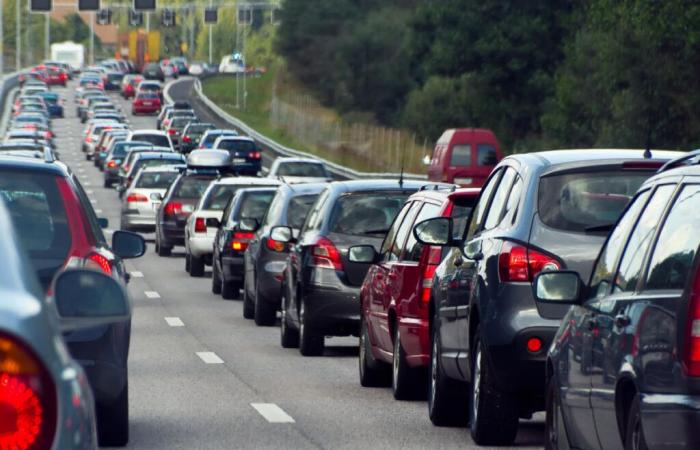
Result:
x=167 y=18
x=104 y=16
x=135 y=18
x=144 y=5
x=40 y=5
x=88 y=5
x=211 y=15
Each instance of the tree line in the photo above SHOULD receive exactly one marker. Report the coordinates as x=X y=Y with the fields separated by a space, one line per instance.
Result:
x=541 y=74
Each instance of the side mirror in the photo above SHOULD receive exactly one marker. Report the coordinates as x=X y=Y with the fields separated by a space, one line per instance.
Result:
x=126 y=244
x=282 y=234
x=104 y=223
x=435 y=231
x=213 y=222
x=561 y=287
x=365 y=254
x=248 y=225
x=156 y=196
x=87 y=298
x=426 y=160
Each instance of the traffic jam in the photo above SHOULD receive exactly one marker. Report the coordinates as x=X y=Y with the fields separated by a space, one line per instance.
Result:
x=554 y=286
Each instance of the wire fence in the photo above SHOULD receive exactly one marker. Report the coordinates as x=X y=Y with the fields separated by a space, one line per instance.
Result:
x=360 y=146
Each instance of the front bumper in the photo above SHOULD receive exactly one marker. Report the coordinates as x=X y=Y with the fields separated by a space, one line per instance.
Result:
x=670 y=421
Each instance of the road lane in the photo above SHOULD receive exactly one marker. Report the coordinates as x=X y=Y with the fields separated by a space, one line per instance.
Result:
x=177 y=401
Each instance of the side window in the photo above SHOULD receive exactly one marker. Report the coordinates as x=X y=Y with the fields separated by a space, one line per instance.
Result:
x=391 y=234
x=486 y=155
x=402 y=233
x=480 y=208
x=500 y=199
x=313 y=222
x=678 y=242
x=461 y=155
x=413 y=247
x=604 y=269
x=226 y=217
x=511 y=209
x=633 y=258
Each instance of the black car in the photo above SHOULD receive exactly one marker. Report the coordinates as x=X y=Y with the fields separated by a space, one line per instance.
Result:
x=114 y=81
x=265 y=258
x=537 y=212
x=624 y=369
x=191 y=135
x=152 y=71
x=116 y=153
x=321 y=286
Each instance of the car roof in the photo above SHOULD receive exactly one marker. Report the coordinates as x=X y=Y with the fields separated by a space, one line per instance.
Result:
x=148 y=132
x=560 y=157
x=235 y=138
x=303 y=188
x=380 y=184
x=286 y=159
x=33 y=164
x=252 y=181
x=164 y=168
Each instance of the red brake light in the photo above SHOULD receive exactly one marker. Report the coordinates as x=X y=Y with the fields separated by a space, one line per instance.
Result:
x=131 y=198
x=98 y=262
x=326 y=255
x=255 y=155
x=240 y=240
x=434 y=256
x=200 y=225
x=171 y=131
x=172 y=208
x=275 y=246
x=691 y=355
x=111 y=164
x=186 y=139
x=519 y=263
x=534 y=345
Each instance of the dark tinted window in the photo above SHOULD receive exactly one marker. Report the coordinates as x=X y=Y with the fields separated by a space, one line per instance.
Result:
x=298 y=208
x=461 y=209
x=254 y=205
x=315 y=219
x=403 y=232
x=368 y=214
x=391 y=234
x=155 y=139
x=191 y=187
x=500 y=199
x=120 y=148
x=633 y=258
x=211 y=137
x=486 y=155
x=301 y=169
x=219 y=195
x=198 y=129
x=237 y=145
x=156 y=180
x=579 y=201
x=484 y=198
x=678 y=242
x=180 y=122
x=461 y=155
x=414 y=249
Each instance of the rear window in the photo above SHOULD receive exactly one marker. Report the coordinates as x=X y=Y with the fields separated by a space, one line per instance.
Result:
x=37 y=212
x=115 y=77
x=219 y=196
x=181 y=122
x=461 y=209
x=154 y=162
x=302 y=169
x=147 y=95
x=156 y=180
x=191 y=187
x=156 y=139
x=366 y=214
x=461 y=155
x=486 y=155
x=254 y=205
x=581 y=201
x=211 y=137
x=237 y=145
x=198 y=129
x=298 y=209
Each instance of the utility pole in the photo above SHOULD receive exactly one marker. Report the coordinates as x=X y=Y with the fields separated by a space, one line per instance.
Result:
x=148 y=21
x=245 y=61
x=210 y=36
x=92 y=37
x=18 y=36
x=47 y=36
x=2 y=45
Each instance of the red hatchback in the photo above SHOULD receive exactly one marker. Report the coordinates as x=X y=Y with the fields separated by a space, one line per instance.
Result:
x=56 y=76
x=396 y=292
x=146 y=103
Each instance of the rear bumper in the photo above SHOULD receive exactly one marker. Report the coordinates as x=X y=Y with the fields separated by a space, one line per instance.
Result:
x=145 y=109
x=251 y=168
x=333 y=310
x=201 y=246
x=111 y=175
x=134 y=219
x=233 y=268
x=173 y=235
x=670 y=421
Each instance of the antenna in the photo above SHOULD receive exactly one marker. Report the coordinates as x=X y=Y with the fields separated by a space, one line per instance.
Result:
x=403 y=160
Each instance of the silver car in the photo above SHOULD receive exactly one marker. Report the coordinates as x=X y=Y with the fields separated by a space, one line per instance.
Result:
x=143 y=196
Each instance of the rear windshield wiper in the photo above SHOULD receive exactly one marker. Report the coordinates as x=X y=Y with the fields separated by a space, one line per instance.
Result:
x=600 y=228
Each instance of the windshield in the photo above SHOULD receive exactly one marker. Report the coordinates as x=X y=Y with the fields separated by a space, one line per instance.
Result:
x=366 y=214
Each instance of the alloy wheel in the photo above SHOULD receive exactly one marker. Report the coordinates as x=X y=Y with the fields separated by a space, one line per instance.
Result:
x=476 y=386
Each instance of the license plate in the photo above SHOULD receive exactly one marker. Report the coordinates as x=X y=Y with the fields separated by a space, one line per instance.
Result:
x=147 y=103
x=238 y=160
x=463 y=180
x=187 y=208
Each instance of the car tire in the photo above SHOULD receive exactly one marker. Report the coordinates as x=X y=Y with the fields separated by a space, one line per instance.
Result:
x=265 y=314
x=113 y=421
x=493 y=413
x=107 y=184
x=634 y=432
x=196 y=266
x=229 y=289
x=248 y=306
x=407 y=383
x=311 y=342
x=162 y=250
x=187 y=262
x=289 y=337
x=554 y=430
x=87 y=157
x=446 y=397
x=215 y=279
x=373 y=373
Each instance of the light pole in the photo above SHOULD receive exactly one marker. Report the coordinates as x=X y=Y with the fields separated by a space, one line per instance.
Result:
x=47 y=36
x=18 y=36
x=92 y=37
x=2 y=45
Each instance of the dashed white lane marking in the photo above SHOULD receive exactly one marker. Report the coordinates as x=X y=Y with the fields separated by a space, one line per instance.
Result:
x=87 y=183
x=152 y=294
x=174 y=321
x=210 y=358
x=272 y=413
x=136 y=274
x=93 y=201
x=89 y=191
x=98 y=211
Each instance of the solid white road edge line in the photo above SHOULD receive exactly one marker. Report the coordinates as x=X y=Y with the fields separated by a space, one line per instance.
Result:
x=152 y=294
x=174 y=321
x=272 y=413
x=210 y=358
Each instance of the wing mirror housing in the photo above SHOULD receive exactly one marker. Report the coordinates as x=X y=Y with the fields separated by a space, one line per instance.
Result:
x=365 y=254
x=213 y=222
x=104 y=223
x=156 y=196
x=248 y=224
x=436 y=231
x=563 y=287
x=282 y=234
x=128 y=245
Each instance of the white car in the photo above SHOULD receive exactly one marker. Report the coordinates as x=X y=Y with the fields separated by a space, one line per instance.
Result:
x=231 y=65
x=156 y=137
x=299 y=170
x=199 y=236
x=144 y=195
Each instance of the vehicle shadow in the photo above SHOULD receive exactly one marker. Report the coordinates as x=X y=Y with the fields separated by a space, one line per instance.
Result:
x=341 y=351
x=530 y=433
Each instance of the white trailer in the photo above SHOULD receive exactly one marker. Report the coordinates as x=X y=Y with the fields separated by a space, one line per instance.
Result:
x=70 y=53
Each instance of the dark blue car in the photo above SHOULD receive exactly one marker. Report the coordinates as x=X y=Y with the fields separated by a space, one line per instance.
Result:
x=53 y=103
x=246 y=156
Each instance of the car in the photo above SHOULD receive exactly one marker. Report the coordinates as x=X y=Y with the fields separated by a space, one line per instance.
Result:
x=146 y=103
x=129 y=83
x=155 y=137
x=58 y=227
x=153 y=71
x=56 y=76
x=116 y=152
x=464 y=156
x=191 y=135
x=183 y=195
x=114 y=81
x=196 y=68
x=94 y=132
x=104 y=140
x=395 y=295
x=54 y=104
x=86 y=103
x=321 y=286
x=264 y=258
x=629 y=343
x=246 y=156
x=143 y=196
x=537 y=211
x=210 y=136
x=140 y=157
x=299 y=170
x=172 y=113
x=174 y=130
x=40 y=137
x=199 y=237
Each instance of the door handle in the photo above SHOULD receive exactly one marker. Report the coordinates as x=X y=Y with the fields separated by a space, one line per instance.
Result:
x=621 y=321
x=592 y=324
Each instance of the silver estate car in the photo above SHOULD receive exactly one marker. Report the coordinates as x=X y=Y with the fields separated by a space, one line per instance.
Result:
x=142 y=197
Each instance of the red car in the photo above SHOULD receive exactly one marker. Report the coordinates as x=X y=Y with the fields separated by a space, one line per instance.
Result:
x=395 y=295
x=146 y=103
x=56 y=76
x=464 y=156
x=129 y=85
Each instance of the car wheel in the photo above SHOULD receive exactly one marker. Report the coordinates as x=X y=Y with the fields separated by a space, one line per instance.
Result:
x=554 y=431
x=494 y=414
x=373 y=373
x=113 y=421
x=446 y=397
x=107 y=184
x=163 y=250
x=265 y=314
x=196 y=266
x=187 y=262
x=406 y=382
x=215 y=279
x=311 y=342
x=229 y=289
x=634 y=435
x=289 y=338
x=248 y=306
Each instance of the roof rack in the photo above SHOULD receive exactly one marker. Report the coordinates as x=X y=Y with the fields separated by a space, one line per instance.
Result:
x=691 y=158
x=48 y=155
x=438 y=187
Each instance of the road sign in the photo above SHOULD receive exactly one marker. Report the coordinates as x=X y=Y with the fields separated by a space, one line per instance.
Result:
x=40 y=5
x=145 y=5
x=211 y=15
x=88 y=5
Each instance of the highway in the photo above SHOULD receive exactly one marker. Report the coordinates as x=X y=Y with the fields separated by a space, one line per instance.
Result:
x=202 y=377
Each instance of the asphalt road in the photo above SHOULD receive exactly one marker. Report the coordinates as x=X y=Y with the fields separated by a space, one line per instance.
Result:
x=181 y=398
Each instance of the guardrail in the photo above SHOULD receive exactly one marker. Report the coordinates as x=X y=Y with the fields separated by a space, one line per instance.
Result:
x=336 y=169
x=10 y=81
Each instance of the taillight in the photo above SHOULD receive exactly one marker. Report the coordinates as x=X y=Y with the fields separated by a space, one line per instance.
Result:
x=275 y=246
x=112 y=164
x=171 y=131
x=434 y=255
x=691 y=355
x=200 y=225
x=186 y=139
x=27 y=398
x=98 y=262
x=326 y=255
x=172 y=208
x=240 y=240
x=254 y=155
x=520 y=263
x=135 y=198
